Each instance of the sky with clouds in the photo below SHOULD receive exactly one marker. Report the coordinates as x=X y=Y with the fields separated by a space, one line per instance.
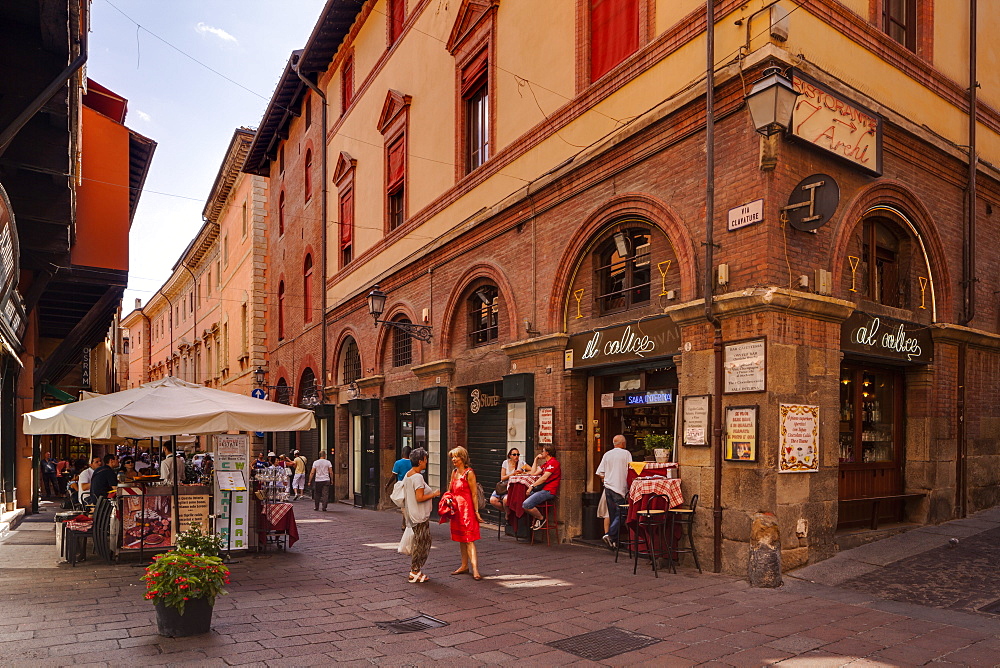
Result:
x=188 y=109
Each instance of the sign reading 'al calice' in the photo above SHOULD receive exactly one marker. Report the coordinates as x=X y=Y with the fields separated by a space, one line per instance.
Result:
x=632 y=342
x=887 y=337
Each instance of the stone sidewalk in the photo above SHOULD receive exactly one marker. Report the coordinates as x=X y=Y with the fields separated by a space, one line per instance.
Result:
x=319 y=603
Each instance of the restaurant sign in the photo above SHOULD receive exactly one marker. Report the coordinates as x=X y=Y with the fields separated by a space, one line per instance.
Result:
x=834 y=124
x=633 y=342
x=887 y=337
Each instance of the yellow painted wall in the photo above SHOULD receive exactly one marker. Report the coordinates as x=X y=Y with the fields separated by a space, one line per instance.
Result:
x=536 y=41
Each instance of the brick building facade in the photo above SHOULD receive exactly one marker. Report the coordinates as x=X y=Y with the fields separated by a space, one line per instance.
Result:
x=567 y=270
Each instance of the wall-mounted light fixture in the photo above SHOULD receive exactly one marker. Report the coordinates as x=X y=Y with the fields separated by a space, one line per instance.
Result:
x=376 y=306
x=771 y=101
x=259 y=375
x=622 y=244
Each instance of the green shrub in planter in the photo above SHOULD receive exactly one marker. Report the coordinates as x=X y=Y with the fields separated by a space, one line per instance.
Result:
x=196 y=540
x=658 y=441
x=179 y=576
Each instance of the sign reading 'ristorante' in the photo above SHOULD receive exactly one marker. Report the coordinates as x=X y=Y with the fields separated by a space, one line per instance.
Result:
x=633 y=342
x=886 y=337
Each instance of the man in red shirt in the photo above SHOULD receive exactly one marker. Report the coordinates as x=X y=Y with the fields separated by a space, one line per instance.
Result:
x=546 y=488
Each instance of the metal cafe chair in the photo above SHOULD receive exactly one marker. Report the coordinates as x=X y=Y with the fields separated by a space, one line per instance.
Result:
x=652 y=524
x=625 y=537
x=683 y=517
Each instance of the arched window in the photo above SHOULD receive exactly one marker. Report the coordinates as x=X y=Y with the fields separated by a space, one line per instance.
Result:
x=350 y=362
x=484 y=315
x=307 y=273
x=308 y=173
x=281 y=310
x=282 y=393
x=402 y=345
x=281 y=213
x=308 y=391
x=883 y=265
x=622 y=276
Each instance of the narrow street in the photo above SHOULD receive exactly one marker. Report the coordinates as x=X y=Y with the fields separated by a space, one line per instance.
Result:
x=319 y=603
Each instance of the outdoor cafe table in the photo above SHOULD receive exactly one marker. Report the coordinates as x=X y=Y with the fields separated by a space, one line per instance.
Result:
x=639 y=488
x=276 y=519
x=517 y=492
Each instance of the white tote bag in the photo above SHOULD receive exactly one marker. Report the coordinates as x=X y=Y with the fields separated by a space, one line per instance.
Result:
x=398 y=495
x=406 y=542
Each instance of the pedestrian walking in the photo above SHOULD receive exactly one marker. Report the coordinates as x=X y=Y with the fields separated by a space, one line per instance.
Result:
x=465 y=522
x=319 y=478
x=417 y=513
x=613 y=469
x=299 y=477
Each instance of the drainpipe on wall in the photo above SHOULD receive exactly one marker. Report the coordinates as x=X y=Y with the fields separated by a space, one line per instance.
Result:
x=709 y=264
x=323 y=214
x=968 y=265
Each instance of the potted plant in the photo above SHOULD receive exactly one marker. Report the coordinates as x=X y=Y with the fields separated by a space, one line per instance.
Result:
x=196 y=540
x=183 y=584
x=660 y=446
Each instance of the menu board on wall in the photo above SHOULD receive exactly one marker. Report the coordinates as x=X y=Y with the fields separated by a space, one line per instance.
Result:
x=232 y=453
x=799 y=439
x=695 y=427
x=741 y=433
x=545 y=425
x=745 y=366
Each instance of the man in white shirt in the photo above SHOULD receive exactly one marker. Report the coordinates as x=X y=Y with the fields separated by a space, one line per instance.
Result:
x=83 y=482
x=171 y=464
x=319 y=478
x=614 y=470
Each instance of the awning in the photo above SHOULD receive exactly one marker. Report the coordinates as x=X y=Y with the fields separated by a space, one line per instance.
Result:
x=54 y=391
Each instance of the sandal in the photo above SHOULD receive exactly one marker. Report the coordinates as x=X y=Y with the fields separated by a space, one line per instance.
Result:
x=460 y=571
x=414 y=577
x=477 y=576
x=422 y=578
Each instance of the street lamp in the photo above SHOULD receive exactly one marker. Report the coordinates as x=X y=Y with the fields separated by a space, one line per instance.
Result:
x=376 y=306
x=771 y=101
x=258 y=376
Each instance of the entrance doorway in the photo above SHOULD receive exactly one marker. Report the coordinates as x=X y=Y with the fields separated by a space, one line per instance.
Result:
x=871 y=442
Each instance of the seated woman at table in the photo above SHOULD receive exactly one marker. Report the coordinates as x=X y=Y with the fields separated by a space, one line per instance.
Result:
x=511 y=466
x=127 y=472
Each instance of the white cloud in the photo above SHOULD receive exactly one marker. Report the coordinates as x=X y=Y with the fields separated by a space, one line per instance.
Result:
x=143 y=115
x=204 y=28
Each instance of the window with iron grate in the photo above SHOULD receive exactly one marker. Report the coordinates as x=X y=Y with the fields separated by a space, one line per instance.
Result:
x=622 y=276
x=484 y=316
x=402 y=345
x=351 y=364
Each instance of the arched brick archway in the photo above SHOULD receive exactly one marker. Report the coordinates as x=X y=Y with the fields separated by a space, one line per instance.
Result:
x=635 y=205
x=893 y=199
x=456 y=299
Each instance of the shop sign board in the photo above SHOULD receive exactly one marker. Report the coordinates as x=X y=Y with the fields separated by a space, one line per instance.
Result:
x=746 y=214
x=649 y=398
x=745 y=365
x=232 y=453
x=546 y=425
x=632 y=342
x=192 y=509
x=479 y=400
x=798 y=443
x=836 y=125
x=741 y=433
x=696 y=414
x=886 y=337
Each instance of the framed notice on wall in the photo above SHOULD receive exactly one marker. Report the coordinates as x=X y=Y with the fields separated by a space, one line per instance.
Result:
x=741 y=433
x=798 y=439
x=745 y=365
x=695 y=418
x=545 y=425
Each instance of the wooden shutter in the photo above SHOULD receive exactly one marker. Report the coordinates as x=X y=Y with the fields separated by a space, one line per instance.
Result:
x=346 y=218
x=396 y=17
x=397 y=162
x=614 y=34
x=474 y=73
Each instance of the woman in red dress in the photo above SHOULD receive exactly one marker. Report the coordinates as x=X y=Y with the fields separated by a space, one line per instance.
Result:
x=465 y=522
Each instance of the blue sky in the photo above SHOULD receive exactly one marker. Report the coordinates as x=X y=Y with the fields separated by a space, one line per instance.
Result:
x=187 y=109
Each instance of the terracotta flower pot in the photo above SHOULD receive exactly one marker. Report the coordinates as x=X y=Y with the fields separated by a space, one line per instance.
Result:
x=197 y=619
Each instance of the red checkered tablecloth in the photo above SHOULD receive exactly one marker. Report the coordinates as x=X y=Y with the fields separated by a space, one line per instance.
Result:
x=277 y=511
x=79 y=525
x=522 y=479
x=669 y=487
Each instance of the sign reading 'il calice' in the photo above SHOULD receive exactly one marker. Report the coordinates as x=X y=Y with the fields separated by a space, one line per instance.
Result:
x=886 y=337
x=834 y=124
x=632 y=342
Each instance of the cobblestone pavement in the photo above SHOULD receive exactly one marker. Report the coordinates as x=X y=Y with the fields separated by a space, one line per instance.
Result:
x=319 y=603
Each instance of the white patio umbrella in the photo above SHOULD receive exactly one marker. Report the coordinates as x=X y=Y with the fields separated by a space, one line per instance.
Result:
x=166 y=407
